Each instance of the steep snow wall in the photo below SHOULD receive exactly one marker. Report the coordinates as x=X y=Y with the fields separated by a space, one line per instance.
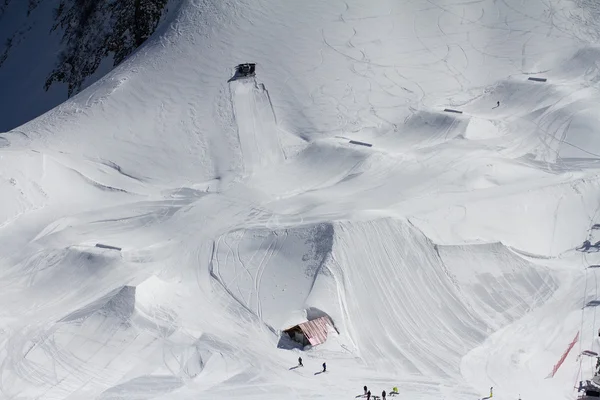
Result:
x=420 y=307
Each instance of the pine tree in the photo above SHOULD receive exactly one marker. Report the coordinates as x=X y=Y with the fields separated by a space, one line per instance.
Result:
x=96 y=29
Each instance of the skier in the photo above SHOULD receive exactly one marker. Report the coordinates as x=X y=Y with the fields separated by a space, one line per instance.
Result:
x=300 y=362
x=498 y=104
x=383 y=395
x=365 y=388
x=369 y=395
x=324 y=367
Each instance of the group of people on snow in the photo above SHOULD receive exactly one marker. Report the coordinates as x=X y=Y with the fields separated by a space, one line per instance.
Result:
x=383 y=394
x=366 y=390
x=302 y=365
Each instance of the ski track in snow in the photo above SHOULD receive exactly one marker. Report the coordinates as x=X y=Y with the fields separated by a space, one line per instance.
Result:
x=446 y=253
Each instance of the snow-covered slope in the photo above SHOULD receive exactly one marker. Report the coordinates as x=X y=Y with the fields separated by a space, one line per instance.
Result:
x=447 y=251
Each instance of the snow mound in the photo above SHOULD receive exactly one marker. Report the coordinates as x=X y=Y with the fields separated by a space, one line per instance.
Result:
x=273 y=273
x=318 y=166
x=119 y=304
x=548 y=220
x=420 y=130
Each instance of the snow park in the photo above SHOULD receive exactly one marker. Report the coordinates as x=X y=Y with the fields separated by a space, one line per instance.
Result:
x=267 y=199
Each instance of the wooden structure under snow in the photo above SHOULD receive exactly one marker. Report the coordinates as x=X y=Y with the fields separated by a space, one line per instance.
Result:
x=312 y=332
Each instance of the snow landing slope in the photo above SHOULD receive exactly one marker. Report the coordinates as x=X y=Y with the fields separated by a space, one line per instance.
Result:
x=448 y=253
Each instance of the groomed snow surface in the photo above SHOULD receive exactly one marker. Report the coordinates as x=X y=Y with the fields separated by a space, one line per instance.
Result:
x=447 y=254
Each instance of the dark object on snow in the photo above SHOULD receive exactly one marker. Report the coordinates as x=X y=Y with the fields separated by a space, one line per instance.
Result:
x=587 y=246
x=312 y=332
x=531 y=78
x=590 y=353
x=300 y=361
x=383 y=395
x=592 y=303
x=361 y=143
x=369 y=395
x=365 y=388
x=592 y=393
x=590 y=389
x=452 y=111
x=324 y=367
x=105 y=246
x=245 y=69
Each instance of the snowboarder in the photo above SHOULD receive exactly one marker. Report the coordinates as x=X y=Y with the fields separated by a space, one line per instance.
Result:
x=383 y=395
x=369 y=395
x=300 y=362
x=365 y=388
x=324 y=367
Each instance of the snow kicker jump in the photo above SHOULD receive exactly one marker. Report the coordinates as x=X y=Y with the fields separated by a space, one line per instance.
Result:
x=256 y=123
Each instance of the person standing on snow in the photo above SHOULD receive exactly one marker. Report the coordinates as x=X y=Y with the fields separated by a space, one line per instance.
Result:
x=369 y=395
x=383 y=395
x=300 y=361
x=324 y=367
x=365 y=389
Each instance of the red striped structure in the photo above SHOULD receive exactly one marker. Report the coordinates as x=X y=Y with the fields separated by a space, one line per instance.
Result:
x=564 y=356
x=316 y=330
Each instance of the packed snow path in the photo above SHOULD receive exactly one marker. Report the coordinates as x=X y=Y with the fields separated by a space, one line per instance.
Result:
x=446 y=253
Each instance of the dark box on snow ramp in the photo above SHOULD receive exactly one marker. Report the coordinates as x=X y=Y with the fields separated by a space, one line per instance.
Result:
x=452 y=111
x=361 y=143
